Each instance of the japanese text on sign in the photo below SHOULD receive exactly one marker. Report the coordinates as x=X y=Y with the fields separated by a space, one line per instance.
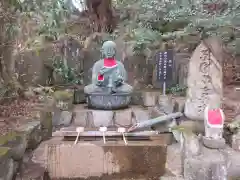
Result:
x=165 y=65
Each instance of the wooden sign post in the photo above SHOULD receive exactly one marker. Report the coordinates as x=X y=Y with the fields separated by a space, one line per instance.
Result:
x=165 y=69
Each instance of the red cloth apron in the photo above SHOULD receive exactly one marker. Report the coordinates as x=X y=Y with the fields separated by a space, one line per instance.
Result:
x=215 y=117
x=108 y=63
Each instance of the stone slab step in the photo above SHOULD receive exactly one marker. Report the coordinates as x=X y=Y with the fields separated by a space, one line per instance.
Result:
x=106 y=161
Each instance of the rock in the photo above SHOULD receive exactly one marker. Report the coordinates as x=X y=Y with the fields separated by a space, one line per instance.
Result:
x=202 y=166
x=79 y=96
x=58 y=78
x=219 y=171
x=173 y=164
x=123 y=118
x=137 y=98
x=36 y=66
x=32 y=171
x=204 y=80
x=6 y=164
x=233 y=161
x=17 y=142
x=149 y=98
x=62 y=118
x=197 y=127
x=235 y=141
x=211 y=157
x=182 y=62
x=190 y=147
x=32 y=132
x=46 y=120
x=29 y=93
x=64 y=100
x=166 y=104
x=234 y=126
x=139 y=71
x=180 y=104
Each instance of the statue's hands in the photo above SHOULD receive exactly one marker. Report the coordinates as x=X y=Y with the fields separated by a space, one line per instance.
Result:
x=102 y=71
x=119 y=80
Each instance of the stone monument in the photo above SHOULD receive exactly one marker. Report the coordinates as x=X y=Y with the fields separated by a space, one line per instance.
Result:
x=204 y=82
x=109 y=89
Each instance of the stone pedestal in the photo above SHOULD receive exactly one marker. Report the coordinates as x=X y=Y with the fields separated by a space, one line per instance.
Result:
x=214 y=143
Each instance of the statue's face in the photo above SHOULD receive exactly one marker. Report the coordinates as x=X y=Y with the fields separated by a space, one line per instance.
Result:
x=108 y=49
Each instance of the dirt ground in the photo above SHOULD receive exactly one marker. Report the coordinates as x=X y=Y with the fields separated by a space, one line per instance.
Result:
x=16 y=112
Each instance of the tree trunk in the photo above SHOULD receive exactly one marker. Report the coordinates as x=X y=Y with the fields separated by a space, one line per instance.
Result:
x=8 y=20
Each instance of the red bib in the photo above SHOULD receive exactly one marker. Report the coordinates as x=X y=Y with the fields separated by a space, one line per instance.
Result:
x=108 y=63
x=215 y=117
x=111 y=62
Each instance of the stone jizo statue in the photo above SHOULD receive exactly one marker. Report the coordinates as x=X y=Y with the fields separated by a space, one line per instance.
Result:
x=214 y=122
x=108 y=74
x=109 y=89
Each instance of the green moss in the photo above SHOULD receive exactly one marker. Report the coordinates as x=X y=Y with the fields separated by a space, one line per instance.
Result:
x=183 y=129
x=11 y=136
x=63 y=95
x=4 y=151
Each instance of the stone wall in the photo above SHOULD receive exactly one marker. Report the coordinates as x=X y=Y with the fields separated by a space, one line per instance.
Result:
x=17 y=144
x=36 y=66
x=14 y=148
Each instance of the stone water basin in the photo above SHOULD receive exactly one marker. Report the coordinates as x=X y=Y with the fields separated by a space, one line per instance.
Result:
x=96 y=160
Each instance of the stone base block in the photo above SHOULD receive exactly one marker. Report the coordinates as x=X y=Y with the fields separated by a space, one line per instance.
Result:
x=62 y=118
x=214 y=144
x=150 y=98
x=113 y=160
x=119 y=118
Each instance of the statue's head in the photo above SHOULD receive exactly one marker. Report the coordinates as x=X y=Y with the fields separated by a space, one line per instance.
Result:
x=109 y=49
